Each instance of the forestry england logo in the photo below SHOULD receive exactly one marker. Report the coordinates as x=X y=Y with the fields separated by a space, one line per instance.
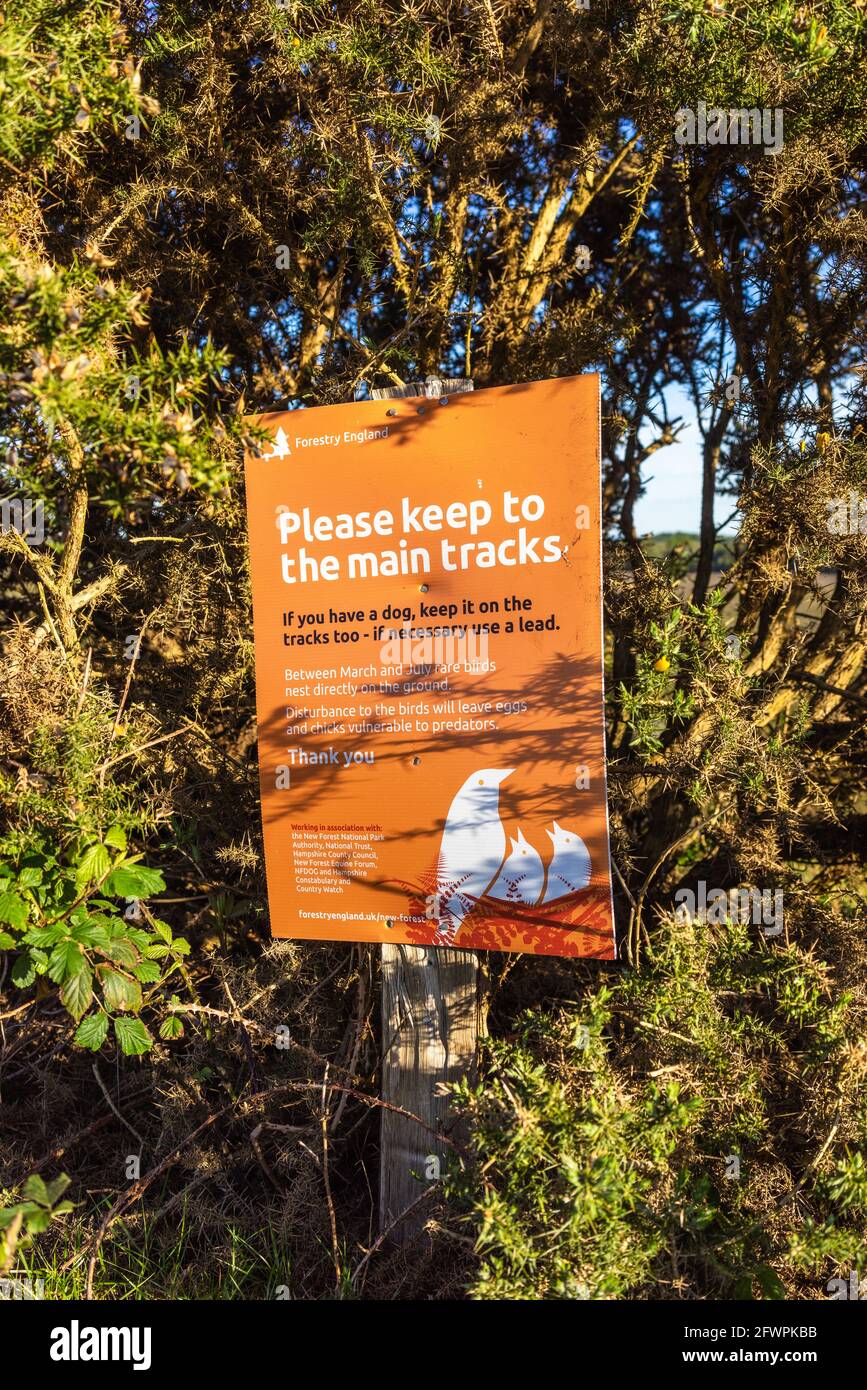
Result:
x=281 y=448
x=76 y=1343
x=715 y=126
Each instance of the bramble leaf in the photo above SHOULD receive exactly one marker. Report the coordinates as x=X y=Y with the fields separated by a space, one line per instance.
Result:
x=133 y=1037
x=92 y=1031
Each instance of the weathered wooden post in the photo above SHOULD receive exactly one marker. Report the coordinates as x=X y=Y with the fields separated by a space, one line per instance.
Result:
x=430 y=1029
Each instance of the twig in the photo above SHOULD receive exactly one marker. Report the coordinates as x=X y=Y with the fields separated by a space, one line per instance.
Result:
x=11 y=1013
x=113 y=1107
x=622 y=882
x=360 y=1021
x=241 y=1022
x=257 y=1150
x=138 y=1190
x=128 y=682
x=139 y=748
x=150 y=540
x=335 y=1245
x=49 y=620
x=383 y=1235
x=668 y=1033
x=84 y=680
x=804 y=676
x=793 y=1192
x=55 y=1155
x=635 y=923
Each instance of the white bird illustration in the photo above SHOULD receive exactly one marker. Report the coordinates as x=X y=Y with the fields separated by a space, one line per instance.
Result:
x=570 y=867
x=522 y=876
x=472 y=848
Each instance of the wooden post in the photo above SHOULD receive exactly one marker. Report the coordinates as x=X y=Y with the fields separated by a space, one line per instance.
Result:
x=430 y=1029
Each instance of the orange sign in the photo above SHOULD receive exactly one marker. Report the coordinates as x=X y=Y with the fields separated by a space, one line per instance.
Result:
x=427 y=609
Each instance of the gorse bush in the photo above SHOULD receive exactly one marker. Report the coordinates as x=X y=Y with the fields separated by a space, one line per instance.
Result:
x=209 y=212
x=630 y=1143
x=565 y=1165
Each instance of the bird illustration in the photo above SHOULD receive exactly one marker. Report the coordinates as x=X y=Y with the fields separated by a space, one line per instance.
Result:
x=569 y=869
x=472 y=848
x=522 y=876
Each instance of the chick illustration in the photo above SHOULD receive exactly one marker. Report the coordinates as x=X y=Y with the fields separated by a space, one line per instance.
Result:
x=472 y=848
x=522 y=876
x=570 y=867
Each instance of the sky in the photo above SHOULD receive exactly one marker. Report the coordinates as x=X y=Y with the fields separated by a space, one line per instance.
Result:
x=672 y=499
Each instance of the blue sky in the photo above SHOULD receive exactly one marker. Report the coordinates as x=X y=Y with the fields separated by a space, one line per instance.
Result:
x=672 y=499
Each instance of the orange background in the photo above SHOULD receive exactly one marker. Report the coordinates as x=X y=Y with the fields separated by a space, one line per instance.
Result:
x=540 y=438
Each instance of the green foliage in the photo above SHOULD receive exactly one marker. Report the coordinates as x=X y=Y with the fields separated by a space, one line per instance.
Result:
x=21 y=1222
x=69 y=928
x=602 y=1136
x=137 y=418
x=567 y=1165
x=40 y=1206
x=65 y=72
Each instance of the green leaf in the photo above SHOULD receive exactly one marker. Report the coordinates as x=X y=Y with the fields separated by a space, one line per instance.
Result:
x=769 y=1282
x=38 y=1222
x=13 y=910
x=93 y=864
x=29 y=877
x=34 y=1190
x=77 y=993
x=23 y=972
x=66 y=959
x=8 y=1214
x=133 y=1037
x=135 y=881
x=46 y=936
x=91 y=1031
x=57 y=1187
x=7 y=942
x=120 y=950
x=120 y=991
x=172 y=1027
x=115 y=837
x=148 y=972
x=91 y=934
